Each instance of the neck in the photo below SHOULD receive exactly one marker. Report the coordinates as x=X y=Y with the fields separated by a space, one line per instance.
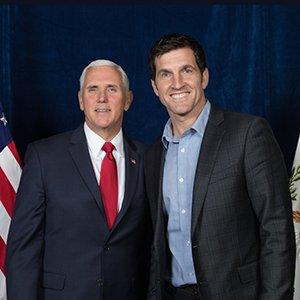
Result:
x=180 y=124
x=106 y=133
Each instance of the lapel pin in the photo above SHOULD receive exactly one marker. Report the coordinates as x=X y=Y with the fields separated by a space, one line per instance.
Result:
x=133 y=161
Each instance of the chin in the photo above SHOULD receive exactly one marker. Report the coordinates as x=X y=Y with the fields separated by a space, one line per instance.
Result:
x=181 y=110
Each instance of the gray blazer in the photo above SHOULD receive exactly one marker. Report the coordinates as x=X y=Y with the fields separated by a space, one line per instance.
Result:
x=242 y=231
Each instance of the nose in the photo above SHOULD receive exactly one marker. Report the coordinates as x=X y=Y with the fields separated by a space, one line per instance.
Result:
x=102 y=97
x=177 y=82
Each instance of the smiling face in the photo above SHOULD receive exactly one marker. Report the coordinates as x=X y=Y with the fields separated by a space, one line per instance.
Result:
x=103 y=99
x=180 y=85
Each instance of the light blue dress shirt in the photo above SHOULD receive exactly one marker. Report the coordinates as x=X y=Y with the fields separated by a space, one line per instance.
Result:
x=178 y=181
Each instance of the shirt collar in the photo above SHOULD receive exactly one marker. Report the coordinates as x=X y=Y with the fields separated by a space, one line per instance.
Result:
x=198 y=126
x=95 y=141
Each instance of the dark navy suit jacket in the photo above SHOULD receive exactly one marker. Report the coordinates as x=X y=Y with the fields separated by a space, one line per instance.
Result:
x=59 y=245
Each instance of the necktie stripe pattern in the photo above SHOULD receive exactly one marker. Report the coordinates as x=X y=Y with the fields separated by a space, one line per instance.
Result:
x=109 y=184
x=10 y=173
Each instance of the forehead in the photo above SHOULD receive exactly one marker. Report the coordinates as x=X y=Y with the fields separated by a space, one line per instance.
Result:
x=176 y=58
x=105 y=74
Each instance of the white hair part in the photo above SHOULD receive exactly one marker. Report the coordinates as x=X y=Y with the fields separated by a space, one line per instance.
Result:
x=104 y=63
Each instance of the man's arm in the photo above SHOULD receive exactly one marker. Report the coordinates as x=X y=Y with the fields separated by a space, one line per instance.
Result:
x=267 y=184
x=26 y=234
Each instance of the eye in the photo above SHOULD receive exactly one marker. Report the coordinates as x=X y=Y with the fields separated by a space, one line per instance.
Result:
x=165 y=74
x=92 y=89
x=187 y=70
x=111 y=89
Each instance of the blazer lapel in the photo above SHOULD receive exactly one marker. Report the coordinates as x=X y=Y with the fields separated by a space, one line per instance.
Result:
x=155 y=160
x=132 y=167
x=155 y=168
x=80 y=154
x=210 y=145
x=160 y=228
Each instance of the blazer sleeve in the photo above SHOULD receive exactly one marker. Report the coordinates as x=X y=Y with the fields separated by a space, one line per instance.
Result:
x=267 y=184
x=25 y=239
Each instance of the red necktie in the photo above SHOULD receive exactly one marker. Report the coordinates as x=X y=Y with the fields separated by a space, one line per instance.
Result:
x=109 y=184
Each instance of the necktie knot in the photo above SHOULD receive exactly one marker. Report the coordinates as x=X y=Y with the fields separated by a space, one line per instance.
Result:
x=108 y=147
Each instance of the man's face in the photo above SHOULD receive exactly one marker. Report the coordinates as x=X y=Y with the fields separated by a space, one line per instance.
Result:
x=179 y=83
x=104 y=99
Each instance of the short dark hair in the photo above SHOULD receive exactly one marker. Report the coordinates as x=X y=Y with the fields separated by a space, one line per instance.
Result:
x=175 y=41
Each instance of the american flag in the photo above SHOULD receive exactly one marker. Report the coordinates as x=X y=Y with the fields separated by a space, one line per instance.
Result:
x=10 y=172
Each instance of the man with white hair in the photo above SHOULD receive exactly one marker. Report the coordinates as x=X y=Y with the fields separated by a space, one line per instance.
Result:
x=80 y=225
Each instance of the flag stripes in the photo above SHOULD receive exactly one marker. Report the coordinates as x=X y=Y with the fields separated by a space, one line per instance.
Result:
x=10 y=173
x=14 y=152
x=10 y=166
x=2 y=257
x=2 y=287
x=5 y=222
x=7 y=193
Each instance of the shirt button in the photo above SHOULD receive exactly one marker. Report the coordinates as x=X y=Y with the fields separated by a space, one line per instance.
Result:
x=183 y=211
x=181 y=179
x=191 y=274
x=188 y=243
x=182 y=150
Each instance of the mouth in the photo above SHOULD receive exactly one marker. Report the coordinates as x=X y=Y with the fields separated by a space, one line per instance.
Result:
x=178 y=96
x=101 y=110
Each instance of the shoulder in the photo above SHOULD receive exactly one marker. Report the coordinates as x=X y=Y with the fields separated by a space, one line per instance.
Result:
x=244 y=129
x=135 y=145
x=230 y=115
x=56 y=145
x=236 y=121
x=53 y=141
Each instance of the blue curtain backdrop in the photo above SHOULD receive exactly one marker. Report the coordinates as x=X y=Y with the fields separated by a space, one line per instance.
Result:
x=252 y=52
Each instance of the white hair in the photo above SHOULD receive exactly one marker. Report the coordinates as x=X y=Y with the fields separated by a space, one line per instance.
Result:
x=102 y=63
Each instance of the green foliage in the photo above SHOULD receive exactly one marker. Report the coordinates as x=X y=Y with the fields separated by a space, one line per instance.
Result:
x=295 y=176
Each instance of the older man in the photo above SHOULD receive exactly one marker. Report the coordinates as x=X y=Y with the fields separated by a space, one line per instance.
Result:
x=79 y=229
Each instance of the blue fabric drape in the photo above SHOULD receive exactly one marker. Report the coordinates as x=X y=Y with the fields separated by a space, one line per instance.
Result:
x=252 y=53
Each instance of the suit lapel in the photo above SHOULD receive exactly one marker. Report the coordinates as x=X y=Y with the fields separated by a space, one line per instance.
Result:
x=81 y=157
x=155 y=163
x=132 y=167
x=155 y=167
x=210 y=145
x=160 y=229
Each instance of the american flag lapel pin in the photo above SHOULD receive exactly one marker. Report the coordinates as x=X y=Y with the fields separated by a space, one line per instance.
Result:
x=133 y=161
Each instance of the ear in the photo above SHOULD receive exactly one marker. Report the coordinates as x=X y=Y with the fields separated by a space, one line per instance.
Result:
x=80 y=101
x=129 y=99
x=205 y=79
x=154 y=87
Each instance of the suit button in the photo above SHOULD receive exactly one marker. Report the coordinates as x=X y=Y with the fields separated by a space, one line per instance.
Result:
x=106 y=248
x=99 y=282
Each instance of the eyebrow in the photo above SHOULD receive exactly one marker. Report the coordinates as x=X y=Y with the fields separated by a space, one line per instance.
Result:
x=97 y=86
x=163 y=71
x=92 y=86
x=187 y=66
x=181 y=68
x=113 y=85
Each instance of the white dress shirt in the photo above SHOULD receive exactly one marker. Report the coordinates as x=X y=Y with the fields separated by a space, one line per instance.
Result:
x=95 y=143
